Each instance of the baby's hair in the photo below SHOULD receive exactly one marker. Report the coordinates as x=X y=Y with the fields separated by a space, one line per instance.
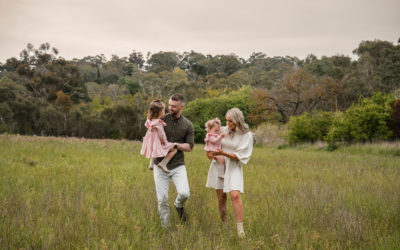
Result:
x=211 y=123
x=155 y=108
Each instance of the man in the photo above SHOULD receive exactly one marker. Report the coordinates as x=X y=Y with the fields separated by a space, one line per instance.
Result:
x=179 y=130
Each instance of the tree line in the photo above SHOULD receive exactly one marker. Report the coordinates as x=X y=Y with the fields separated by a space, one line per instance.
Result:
x=42 y=93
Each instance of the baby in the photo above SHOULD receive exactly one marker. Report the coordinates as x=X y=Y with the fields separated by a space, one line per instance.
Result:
x=213 y=143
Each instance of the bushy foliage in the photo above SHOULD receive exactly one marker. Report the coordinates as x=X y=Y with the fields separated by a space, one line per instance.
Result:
x=309 y=128
x=394 y=123
x=202 y=110
x=101 y=97
x=364 y=121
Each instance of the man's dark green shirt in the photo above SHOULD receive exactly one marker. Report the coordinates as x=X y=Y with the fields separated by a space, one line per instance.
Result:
x=179 y=130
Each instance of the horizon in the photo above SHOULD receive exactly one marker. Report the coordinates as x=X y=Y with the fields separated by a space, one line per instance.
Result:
x=287 y=28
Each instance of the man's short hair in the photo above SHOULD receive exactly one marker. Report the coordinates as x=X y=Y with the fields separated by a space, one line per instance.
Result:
x=178 y=98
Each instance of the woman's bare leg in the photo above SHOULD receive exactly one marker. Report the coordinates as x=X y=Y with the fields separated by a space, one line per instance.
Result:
x=221 y=204
x=238 y=211
x=237 y=205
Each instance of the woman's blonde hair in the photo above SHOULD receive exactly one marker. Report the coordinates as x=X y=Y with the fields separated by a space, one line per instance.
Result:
x=211 y=123
x=237 y=117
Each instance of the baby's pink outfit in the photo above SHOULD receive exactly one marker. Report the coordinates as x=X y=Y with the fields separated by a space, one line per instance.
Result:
x=155 y=143
x=213 y=142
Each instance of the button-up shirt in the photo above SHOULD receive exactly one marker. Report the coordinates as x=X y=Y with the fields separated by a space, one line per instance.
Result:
x=179 y=130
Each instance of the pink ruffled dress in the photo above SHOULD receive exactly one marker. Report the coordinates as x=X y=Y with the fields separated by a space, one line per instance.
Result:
x=213 y=142
x=155 y=143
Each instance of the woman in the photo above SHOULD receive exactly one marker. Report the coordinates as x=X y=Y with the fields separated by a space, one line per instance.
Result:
x=237 y=147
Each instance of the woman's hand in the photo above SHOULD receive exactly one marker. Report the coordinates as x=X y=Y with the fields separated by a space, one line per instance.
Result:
x=221 y=152
x=210 y=155
x=218 y=152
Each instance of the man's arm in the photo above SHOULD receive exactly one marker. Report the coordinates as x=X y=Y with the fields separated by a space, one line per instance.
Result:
x=187 y=146
x=184 y=147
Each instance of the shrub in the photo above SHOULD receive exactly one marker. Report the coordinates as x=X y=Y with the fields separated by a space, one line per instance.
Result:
x=365 y=121
x=394 y=123
x=203 y=109
x=309 y=128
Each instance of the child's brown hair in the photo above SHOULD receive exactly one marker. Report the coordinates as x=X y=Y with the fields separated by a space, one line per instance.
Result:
x=155 y=108
x=211 y=123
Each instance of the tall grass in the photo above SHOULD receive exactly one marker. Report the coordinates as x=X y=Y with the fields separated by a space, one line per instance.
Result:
x=73 y=193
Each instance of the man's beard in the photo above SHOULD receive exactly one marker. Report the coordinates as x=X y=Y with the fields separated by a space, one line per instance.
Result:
x=174 y=113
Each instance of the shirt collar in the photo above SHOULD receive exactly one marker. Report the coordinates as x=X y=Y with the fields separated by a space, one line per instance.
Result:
x=174 y=118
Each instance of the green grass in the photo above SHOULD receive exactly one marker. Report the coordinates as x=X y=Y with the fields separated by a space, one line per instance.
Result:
x=72 y=193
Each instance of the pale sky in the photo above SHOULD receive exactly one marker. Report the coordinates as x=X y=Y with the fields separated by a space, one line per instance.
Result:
x=78 y=28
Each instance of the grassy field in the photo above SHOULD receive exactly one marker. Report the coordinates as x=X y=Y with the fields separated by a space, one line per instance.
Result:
x=73 y=193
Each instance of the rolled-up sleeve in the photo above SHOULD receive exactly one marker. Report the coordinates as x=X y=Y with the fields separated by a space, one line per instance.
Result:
x=243 y=152
x=189 y=138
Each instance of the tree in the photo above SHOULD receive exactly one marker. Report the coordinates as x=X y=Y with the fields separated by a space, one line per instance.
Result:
x=227 y=64
x=137 y=59
x=256 y=58
x=261 y=109
x=195 y=62
x=25 y=114
x=309 y=128
x=5 y=117
x=203 y=109
x=43 y=73
x=18 y=109
x=297 y=93
x=364 y=121
x=121 y=117
x=162 y=61
x=240 y=79
x=65 y=104
x=379 y=66
x=97 y=62
x=131 y=85
x=394 y=123
x=116 y=68
x=51 y=122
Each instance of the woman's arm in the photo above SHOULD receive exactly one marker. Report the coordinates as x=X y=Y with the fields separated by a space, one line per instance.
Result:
x=210 y=155
x=229 y=155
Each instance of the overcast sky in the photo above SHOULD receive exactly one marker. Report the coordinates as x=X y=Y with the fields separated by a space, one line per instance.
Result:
x=78 y=28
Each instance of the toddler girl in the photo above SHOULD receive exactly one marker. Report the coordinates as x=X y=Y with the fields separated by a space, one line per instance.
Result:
x=213 y=143
x=155 y=142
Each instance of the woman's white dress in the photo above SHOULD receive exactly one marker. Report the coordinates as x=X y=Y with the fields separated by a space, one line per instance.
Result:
x=242 y=146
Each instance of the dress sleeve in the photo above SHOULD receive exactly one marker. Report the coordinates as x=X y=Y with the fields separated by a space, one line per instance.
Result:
x=206 y=139
x=161 y=134
x=245 y=148
x=215 y=139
